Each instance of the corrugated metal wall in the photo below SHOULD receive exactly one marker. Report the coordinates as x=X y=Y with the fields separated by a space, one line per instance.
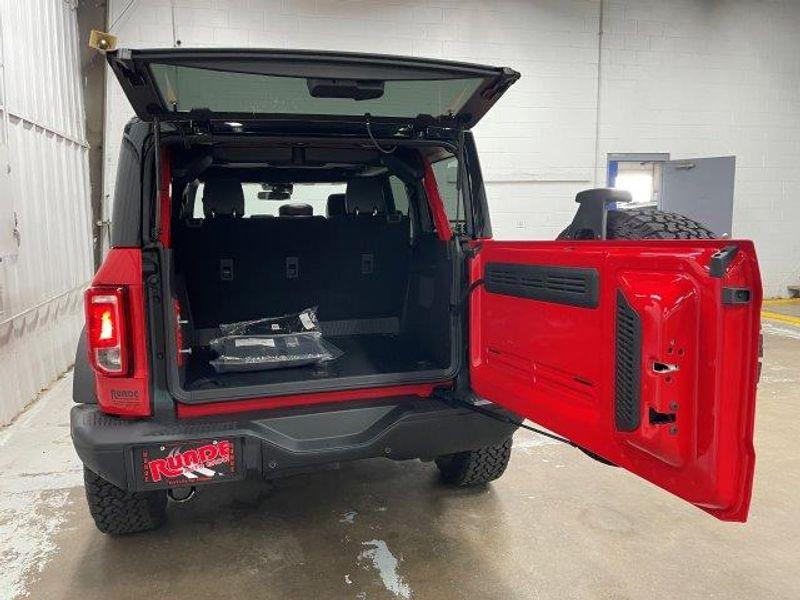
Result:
x=46 y=192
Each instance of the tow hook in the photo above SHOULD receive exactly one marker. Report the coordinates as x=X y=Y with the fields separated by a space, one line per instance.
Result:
x=181 y=495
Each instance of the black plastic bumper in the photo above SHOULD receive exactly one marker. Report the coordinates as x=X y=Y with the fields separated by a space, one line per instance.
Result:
x=288 y=441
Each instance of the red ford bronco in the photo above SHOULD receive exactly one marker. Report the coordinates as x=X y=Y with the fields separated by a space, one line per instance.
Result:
x=256 y=183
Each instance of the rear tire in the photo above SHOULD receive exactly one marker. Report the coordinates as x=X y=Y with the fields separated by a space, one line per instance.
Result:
x=475 y=467
x=117 y=511
x=648 y=224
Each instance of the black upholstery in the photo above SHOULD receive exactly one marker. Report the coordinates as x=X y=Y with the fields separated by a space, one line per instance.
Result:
x=223 y=197
x=385 y=304
x=296 y=210
x=336 y=205
x=366 y=195
x=350 y=267
x=370 y=266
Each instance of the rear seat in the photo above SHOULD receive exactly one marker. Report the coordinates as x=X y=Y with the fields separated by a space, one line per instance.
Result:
x=287 y=255
x=353 y=266
x=372 y=246
x=206 y=251
x=296 y=210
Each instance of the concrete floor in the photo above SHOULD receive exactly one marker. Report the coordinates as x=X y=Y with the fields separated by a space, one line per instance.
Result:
x=557 y=525
x=784 y=311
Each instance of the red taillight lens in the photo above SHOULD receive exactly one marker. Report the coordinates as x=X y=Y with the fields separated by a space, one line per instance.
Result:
x=106 y=330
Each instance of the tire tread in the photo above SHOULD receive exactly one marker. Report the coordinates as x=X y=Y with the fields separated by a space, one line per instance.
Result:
x=475 y=467
x=645 y=224
x=117 y=511
x=651 y=223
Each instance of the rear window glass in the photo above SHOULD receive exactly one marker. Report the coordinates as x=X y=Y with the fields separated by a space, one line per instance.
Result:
x=186 y=88
x=446 y=173
x=399 y=194
x=314 y=194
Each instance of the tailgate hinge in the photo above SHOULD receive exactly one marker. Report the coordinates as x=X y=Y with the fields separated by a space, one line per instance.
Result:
x=467 y=250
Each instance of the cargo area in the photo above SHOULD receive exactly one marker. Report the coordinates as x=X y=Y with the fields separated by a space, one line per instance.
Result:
x=379 y=283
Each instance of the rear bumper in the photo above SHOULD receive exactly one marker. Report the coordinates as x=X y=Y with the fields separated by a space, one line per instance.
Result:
x=287 y=441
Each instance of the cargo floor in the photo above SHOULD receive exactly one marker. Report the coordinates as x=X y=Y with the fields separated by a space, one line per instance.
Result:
x=362 y=355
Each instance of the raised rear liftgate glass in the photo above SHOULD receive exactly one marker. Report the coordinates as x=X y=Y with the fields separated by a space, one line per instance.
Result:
x=184 y=89
x=238 y=84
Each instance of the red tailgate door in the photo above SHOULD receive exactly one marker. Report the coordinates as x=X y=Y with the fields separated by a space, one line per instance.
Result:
x=643 y=352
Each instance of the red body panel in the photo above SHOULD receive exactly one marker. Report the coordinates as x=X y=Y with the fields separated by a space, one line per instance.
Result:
x=435 y=203
x=555 y=363
x=127 y=396
x=252 y=404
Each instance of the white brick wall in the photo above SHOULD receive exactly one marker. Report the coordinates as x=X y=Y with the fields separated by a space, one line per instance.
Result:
x=687 y=77
x=698 y=78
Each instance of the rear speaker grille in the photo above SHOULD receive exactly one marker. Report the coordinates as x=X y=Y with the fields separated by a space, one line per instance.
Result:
x=627 y=405
x=562 y=285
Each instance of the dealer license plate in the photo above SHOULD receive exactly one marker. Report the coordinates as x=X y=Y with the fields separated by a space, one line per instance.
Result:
x=188 y=463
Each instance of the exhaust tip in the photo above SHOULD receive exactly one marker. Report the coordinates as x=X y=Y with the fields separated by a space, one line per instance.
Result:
x=181 y=495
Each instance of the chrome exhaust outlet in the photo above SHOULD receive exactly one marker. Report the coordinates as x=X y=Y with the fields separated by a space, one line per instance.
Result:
x=181 y=495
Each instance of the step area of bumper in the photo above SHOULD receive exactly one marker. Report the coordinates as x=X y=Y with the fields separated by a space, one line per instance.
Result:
x=145 y=455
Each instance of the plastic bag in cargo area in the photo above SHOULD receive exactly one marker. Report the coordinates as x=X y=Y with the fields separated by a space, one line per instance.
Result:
x=264 y=352
x=305 y=320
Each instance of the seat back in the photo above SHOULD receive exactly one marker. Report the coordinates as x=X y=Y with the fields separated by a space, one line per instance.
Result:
x=296 y=210
x=336 y=206
x=223 y=198
x=354 y=266
x=371 y=252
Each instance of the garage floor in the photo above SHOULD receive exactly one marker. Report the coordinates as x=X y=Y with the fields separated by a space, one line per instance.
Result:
x=557 y=525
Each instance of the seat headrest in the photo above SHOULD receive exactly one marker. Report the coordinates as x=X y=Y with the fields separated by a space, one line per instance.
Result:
x=223 y=197
x=365 y=195
x=296 y=210
x=336 y=207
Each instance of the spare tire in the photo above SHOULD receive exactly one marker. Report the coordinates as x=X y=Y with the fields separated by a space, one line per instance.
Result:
x=648 y=224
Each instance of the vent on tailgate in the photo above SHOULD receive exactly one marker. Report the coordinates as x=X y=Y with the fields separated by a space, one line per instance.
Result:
x=575 y=286
x=627 y=398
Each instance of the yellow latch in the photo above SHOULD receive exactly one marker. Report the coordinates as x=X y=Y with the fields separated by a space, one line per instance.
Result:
x=101 y=41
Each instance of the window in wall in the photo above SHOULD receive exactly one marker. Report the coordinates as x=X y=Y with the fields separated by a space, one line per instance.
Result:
x=640 y=174
x=700 y=188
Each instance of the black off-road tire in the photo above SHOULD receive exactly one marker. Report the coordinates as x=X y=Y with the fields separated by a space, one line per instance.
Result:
x=648 y=224
x=476 y=467
x=117 y=511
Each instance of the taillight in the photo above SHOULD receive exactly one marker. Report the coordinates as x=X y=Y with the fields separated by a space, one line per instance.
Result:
x=106 y=330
